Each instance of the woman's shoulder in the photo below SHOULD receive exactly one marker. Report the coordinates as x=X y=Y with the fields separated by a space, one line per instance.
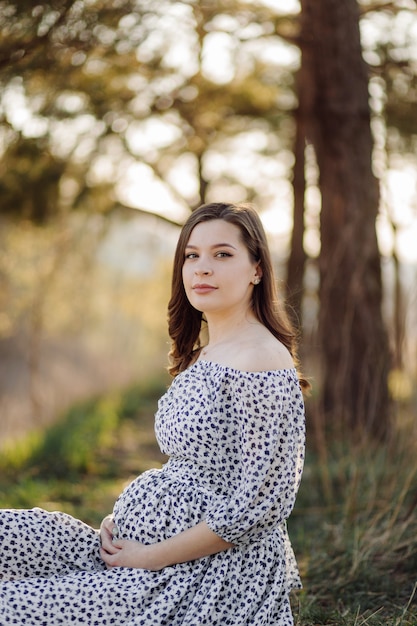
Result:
x=264 y=356
x=261 y=353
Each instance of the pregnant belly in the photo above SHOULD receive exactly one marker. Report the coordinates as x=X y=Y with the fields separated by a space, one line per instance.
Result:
x=158 y=505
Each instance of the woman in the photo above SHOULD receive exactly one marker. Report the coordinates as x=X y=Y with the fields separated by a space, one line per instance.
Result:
x=202 y=541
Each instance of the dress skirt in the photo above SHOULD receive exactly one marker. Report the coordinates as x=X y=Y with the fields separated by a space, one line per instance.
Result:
x=238 y=467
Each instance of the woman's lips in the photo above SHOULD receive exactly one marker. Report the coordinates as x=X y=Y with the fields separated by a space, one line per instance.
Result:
x=203 y=288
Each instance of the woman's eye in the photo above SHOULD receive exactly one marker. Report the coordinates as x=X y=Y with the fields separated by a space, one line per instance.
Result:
x=219 y=255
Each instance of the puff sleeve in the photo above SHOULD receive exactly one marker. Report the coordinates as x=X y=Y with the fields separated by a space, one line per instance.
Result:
x=268 y=413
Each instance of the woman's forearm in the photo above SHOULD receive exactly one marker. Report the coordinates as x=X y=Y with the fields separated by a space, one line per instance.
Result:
x=193 y=543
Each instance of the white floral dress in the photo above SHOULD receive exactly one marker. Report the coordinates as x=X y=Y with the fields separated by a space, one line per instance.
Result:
x=236 y=446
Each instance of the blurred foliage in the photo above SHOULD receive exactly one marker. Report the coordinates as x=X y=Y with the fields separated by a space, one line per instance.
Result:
x=79 y=313
x=95 y=87
x=84 y=440
x=389 y=36
x=70 y=446
x=89 y=89
x=30 y=177
x=53 y=283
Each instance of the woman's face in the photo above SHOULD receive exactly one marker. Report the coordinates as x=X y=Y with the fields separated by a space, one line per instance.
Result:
x=218 y=271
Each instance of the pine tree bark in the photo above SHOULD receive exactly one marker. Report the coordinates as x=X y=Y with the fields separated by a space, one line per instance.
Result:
x=297 y=257
x=352 y=336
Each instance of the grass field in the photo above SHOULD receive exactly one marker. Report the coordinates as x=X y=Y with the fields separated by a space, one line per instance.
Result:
x=354 y=527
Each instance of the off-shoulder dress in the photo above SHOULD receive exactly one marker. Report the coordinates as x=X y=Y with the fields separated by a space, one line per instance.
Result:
x=235 y=442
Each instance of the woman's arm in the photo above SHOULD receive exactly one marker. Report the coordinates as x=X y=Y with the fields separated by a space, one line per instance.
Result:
x=193 y=543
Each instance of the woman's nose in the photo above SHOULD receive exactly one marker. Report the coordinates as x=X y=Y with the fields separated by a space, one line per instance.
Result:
x=203 y=270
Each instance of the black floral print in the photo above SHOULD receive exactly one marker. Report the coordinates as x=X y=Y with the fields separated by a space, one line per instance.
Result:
x=236 y=446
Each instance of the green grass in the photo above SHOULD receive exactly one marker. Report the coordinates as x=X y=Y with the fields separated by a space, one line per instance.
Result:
x=354 y=527
x=354 y=530
x=81 y=463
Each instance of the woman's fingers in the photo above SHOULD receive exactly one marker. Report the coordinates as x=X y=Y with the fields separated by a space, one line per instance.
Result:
x=108 y=531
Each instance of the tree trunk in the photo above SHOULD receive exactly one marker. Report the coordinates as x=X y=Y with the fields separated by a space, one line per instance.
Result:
x=352 y=336
x=297 y=258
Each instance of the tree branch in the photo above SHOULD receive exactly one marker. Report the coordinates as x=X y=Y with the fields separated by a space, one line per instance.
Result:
x=380 y=6
x=119 y=207
x=15 y=53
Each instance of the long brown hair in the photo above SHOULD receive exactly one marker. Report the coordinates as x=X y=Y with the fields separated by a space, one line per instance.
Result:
x=185 y=322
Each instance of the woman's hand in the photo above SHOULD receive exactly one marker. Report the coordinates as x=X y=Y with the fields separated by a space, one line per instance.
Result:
x=124 y=553
x=128 y=553
x=188 y=545
x=106 y=536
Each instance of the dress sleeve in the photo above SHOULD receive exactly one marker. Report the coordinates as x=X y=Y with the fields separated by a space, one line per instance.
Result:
x=269 y=411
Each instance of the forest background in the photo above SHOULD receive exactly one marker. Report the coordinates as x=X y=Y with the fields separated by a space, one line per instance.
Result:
x=119 y=117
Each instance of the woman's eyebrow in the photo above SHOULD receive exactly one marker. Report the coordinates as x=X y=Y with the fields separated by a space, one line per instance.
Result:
x=216 y=245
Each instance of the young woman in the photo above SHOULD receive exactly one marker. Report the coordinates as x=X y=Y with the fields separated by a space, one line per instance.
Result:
x=202 y=541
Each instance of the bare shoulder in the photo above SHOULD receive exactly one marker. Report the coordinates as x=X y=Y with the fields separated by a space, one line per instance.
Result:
x=263 y=353
x=266 y=358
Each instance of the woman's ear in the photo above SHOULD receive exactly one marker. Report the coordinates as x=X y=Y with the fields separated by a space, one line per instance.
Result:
x=258 y=275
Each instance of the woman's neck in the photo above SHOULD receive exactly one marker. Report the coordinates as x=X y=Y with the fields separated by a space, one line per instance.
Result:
x=224 y=331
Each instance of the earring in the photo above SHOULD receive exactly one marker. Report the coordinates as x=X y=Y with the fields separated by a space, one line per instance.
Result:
x=256 y=280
